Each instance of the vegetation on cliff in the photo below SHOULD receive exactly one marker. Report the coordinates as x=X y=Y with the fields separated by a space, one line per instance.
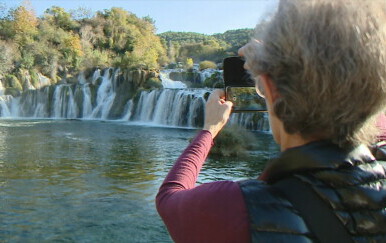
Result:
x=60 y=44
x=201 y=47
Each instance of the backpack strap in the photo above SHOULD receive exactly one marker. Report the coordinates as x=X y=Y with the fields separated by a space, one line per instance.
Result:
x=316 y=213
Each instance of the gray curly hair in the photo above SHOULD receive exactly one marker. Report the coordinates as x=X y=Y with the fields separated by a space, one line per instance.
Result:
x=327 y=59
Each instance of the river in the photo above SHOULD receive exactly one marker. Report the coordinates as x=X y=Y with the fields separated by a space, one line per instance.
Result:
x=95 y=181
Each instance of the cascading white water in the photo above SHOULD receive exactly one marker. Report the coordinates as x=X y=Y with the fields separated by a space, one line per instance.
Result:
x=42 y=101
x=87 y=106
x=4 y=107
x=146 y=104
x=95 y=99
x=81 y=78
x=95 y=76
x=1 y=88
x=172 y=107
x=168 y=83
x=105 y=96
x=64 y=103
x=128 y=110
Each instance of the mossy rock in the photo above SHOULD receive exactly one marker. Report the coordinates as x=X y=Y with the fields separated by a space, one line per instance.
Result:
x=214 y=81
x=99 y=81
x=34 y=78
x=153 y=83
x=13 y=82
x=12 y=91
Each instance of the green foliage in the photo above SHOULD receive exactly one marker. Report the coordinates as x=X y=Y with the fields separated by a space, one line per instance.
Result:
x=62 y=43
x=199 y=47
x=12 y=91
x=153 y=83
x=58 y=17
x=8 y=55
x=235 y=38
x=233 y=141
x=207 y=64
x=27 y=59
x=34 y=78
x=214 y=81
x=181 y=45
x=24 y=24
x=185 y=37
x=189 y=63
x=12 y=81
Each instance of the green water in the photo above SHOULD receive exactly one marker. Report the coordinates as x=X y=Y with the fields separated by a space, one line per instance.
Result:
x=92 y=181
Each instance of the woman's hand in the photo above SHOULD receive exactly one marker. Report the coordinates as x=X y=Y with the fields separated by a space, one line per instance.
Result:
x=217 y=112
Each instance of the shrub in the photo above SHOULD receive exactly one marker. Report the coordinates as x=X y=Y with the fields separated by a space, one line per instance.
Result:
x=207 y=64
x=13 y=82
x=171 y=66
x=153 y=83
x=233 y=141
x=34 y=78
x=189 y=63
x=214 y=81
x=12 y=91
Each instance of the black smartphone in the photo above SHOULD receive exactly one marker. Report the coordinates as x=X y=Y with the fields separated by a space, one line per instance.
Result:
x=240 y=87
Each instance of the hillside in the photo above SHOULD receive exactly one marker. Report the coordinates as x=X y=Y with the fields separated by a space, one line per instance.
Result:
x=59 y=44
x=183 y=45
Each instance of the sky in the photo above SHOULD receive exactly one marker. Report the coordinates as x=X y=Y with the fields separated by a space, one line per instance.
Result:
x=207 y=17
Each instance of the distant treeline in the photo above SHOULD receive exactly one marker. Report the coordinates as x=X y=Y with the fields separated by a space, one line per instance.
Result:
x=183 y=45
x=59 y=44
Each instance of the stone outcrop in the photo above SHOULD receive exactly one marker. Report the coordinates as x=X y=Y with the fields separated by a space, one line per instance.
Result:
x=190 y=76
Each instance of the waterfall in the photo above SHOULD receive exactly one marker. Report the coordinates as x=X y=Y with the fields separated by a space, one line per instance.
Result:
x=172 y=107
x=1 y=88
x=3 y=104
x=100 y=97
x=87 y=106
x=64 y=103
x=168 y=83
x=105 y=96
x=128 y=110
x=95 y=76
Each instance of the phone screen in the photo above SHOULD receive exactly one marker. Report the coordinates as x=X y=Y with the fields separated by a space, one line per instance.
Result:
x=240 y=87
x=245 y=99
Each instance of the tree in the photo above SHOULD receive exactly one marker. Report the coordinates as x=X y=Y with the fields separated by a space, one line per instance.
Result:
x=207 y=64
x=81 y=13
x=189 y=63
x=60 y=18
x=24 y=23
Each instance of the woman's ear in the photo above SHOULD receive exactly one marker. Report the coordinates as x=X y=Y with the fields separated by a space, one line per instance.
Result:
x=270 y=90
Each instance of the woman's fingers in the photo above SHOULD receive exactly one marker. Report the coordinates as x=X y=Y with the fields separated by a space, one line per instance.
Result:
x=217 y=112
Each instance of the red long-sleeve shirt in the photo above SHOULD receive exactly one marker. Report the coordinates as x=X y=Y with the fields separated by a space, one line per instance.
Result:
x=211 y=212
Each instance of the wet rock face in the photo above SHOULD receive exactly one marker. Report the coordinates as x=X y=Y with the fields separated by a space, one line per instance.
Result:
x=193 y=77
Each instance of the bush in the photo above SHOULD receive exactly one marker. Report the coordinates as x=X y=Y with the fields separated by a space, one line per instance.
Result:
x=189 y=63
x=12 y=91
x=13 y=82
x=207 y=64
x=233 y=141
x=214 y=81
x=34 y=78
x=153 y=83
x=171 y=66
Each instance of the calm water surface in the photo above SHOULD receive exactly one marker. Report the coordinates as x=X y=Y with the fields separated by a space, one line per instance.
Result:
x=92 y=181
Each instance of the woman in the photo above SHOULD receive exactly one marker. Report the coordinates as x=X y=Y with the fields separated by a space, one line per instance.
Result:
x=321 y=66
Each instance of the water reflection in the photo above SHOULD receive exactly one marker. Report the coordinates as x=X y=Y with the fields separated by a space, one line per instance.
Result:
x=94 y=181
